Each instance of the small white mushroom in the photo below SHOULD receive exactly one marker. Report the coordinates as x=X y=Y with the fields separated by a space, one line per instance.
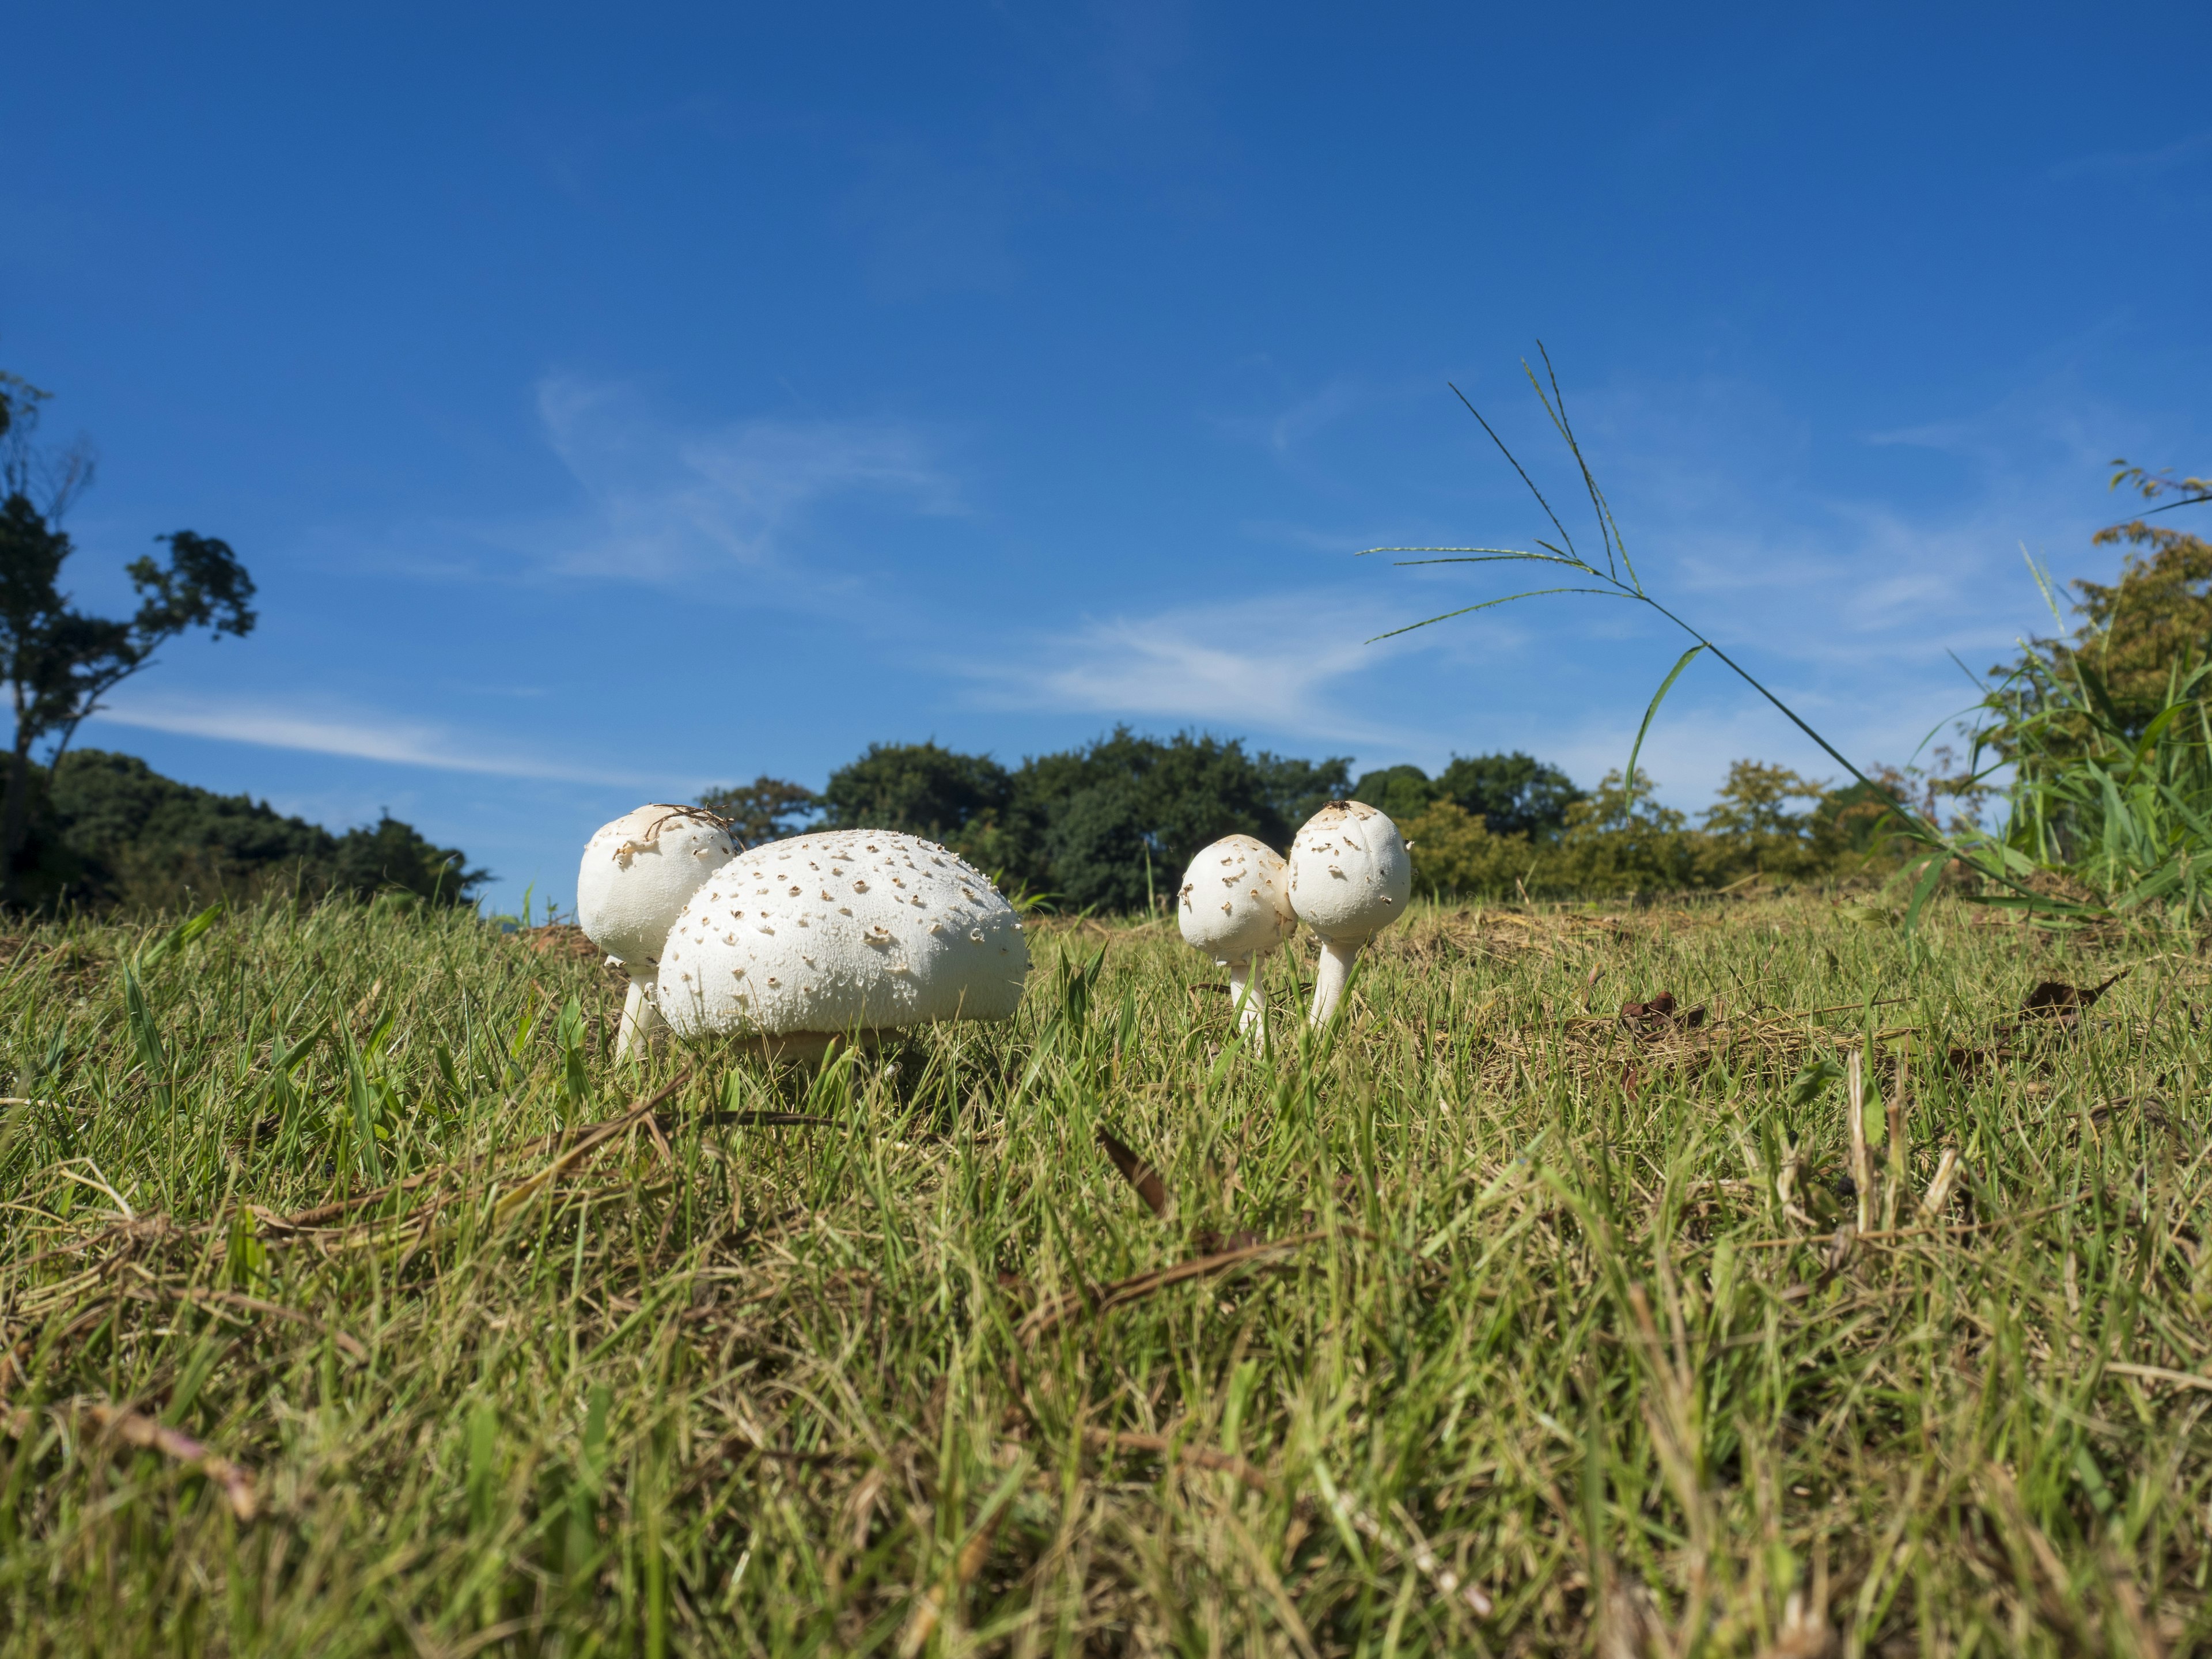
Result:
x=1236 y=905
x=1349 y=879
x=637 y=874
x=872 y=962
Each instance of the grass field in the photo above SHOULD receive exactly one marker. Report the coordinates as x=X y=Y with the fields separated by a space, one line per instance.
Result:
x=1526 y=1328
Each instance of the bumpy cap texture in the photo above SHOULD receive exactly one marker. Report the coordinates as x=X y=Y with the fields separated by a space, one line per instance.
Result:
x=1350 y=872
x=849 y=929
x=638 y=872
x=1236 y=900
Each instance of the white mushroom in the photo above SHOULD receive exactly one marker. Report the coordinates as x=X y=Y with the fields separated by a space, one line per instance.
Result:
x=1236 y=905
x=637 y=874
x=1349 y=879
x=802 y=941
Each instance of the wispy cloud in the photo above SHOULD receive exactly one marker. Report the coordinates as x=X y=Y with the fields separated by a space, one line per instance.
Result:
x=354 y=737
x=1735 y=509
x=2196 y=147
x=662 y=503
x=931 y=226
x=1277 y=663
x=1287 y=421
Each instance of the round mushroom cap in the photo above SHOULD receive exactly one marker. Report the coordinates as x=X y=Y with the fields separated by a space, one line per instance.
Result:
x=639 y=871
x=1350 y=872
x=841 y=931
x=1236 y=900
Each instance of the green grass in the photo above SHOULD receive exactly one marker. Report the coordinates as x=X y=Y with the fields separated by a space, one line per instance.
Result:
x=723 y=1386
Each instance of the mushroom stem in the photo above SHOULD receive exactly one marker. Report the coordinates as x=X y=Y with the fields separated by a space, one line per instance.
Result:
x=640 y=1019
x=1335 y=968
x=1248 y=993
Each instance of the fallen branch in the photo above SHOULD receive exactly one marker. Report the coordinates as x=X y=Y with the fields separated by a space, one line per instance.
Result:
x=1046 y=1316
x=587 y=1143
x=2159 y=1374
x=330 y=1212
x=136 y=1429
x=350 y=1346
x=1110 y=1441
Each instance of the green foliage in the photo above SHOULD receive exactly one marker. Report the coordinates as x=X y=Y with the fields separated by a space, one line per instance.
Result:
x=1404 y=793
x=1767 y=823
x=2057 y=710
x=1517 y=793
x=1754 y=829
x=2120 y=657
x=1109 y=806
x=1621 y=839
x=1514 y=794
x=767 y=809
x=2127 y=814
x=1456 y=854
x=2109 y=731
x=1107 y=825
x=107 y=830
x=918 y=788
x=57 y=662
x=752 y=1375
x=1084 y=824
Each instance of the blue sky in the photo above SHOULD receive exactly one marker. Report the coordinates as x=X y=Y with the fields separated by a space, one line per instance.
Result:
x=612 y=403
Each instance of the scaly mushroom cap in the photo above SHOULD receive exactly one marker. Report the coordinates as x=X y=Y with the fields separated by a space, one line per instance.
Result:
x=849 y=929
x=639 y=871
x=1236 y=900
x=1350 y=872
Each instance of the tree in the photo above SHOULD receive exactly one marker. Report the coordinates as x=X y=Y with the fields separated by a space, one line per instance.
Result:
x=108 y=830
x=767 y=809
x=1454 y=852
x=392 y=856
x=2135 y=633
x=1514 y=794
x=921 y=788
x=1750 y=829
x=1621 y=839
x=57 y=662
x=1101 y=813
x=1402 y=792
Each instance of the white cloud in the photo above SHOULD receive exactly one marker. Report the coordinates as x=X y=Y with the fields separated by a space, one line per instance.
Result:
x=929 y=225
x=356 y=737
x=2180 y=153
x=662 y=503
x=1272 y=664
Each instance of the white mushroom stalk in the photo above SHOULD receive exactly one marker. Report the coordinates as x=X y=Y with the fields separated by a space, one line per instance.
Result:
x=849 y=931
x=1351 y=877
x=1236 y=905
x=637 y=874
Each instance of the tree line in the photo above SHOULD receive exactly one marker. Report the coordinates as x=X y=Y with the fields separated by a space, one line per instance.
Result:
x=1110 y=825
x=106 y=830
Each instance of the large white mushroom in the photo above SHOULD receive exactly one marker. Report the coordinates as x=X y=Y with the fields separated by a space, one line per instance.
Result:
x=637 y=875
x=1236 y=905
x=1349 y=879
x=843 y=933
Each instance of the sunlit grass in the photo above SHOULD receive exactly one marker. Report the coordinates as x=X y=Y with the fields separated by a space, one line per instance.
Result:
x=719 y=1384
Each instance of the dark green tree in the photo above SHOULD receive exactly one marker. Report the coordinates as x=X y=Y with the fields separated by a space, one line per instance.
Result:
x=1513 y=794
x=107 y=830
x=1100 y=848
x=2134 y=635
x=767 y=809
x=1124 y=802
x=59 y=662
x=921 y=788
x=1296 y=789
x=1402 y=791
x=391 y=856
